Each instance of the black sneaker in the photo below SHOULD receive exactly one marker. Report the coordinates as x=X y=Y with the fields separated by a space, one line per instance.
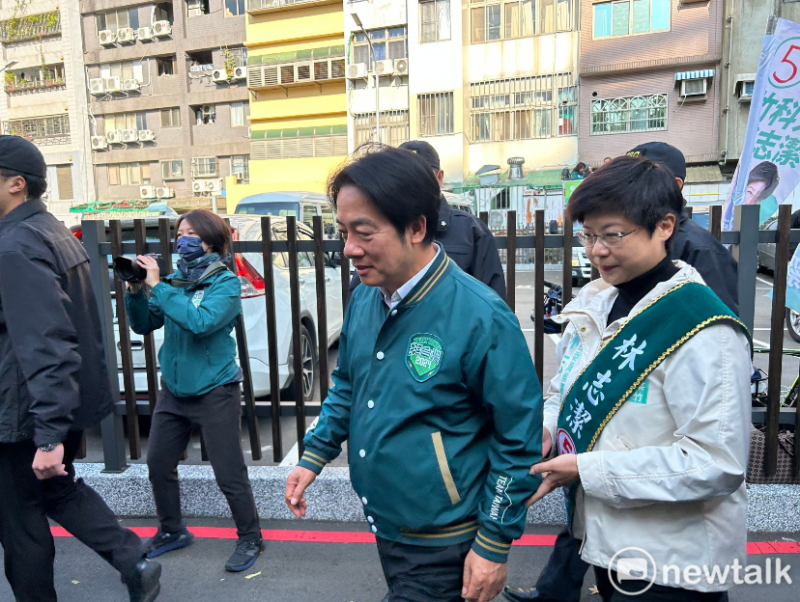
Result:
x=517 y=594
x=244 y=556
x=144 y=586
x=163 y=542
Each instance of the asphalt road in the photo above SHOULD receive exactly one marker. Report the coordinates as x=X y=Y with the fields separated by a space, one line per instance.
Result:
x=313 y=572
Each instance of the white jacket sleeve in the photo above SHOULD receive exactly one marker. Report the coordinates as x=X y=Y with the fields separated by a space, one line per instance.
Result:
x=707 y=388
x=558 y=386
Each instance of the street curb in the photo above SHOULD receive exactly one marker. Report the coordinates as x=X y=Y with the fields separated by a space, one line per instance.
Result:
x=772 y=508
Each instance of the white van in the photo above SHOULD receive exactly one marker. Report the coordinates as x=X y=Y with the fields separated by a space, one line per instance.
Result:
x=302 y=205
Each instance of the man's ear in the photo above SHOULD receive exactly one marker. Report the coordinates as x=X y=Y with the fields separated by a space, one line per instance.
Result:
x=417 y=230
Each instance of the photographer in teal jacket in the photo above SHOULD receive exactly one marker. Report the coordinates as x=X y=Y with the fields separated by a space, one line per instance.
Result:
x=435 y=391
x=198 y=306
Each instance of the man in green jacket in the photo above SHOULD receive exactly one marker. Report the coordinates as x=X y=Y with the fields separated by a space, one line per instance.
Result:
x=435 y=391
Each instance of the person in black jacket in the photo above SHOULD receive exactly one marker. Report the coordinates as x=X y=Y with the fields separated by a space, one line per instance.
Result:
x=562 y=578
x=53 y=384
x=465 y=238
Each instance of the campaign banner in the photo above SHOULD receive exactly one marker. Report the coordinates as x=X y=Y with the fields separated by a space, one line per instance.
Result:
x=768 y=168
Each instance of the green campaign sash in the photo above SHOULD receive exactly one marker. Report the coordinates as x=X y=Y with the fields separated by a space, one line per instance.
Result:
x=627 y=358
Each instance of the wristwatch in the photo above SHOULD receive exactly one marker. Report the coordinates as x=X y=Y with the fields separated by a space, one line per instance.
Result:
x=49 y=447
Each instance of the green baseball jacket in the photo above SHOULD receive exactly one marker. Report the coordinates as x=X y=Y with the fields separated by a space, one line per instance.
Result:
x=198 y=353
x=443 y=411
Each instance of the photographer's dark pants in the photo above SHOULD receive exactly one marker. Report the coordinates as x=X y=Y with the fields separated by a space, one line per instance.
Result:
x=25 y=504
x=421 y=573
x=561 y=579
x=218 y=414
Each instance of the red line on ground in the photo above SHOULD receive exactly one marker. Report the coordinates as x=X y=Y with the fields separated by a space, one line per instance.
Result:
x=753 y=547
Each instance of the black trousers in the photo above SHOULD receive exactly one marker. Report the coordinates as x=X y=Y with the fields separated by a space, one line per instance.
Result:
x=562 y=577
x=218 y=414
x=656 y=593
x=423 y=574
x=25 y=504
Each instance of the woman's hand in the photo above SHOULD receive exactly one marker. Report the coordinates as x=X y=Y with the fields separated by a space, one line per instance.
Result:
x=153 y=271
x=560 y=471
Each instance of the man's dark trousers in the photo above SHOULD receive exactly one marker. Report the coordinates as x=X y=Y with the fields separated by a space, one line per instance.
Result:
x=422 y=573
x=562 y=577
x=25 y=504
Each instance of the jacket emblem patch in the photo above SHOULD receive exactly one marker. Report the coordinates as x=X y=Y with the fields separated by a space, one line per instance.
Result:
x=425 y=352
x=640 y=395
x=198 y=298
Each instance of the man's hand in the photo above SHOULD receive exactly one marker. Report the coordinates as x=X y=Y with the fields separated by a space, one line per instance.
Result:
x=297 y=482
x=49 y=464
x=153 y=271
x=483 y=579
x=558 y=472
x=547 y=442
x=134 y=287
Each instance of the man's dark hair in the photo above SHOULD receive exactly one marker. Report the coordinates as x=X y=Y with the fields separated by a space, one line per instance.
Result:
x=641 y=190
x=210 y=227
x=36 y=186
x=399 y=183
x=766 y=172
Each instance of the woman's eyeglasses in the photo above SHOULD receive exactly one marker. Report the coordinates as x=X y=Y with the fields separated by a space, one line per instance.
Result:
x=610 y=239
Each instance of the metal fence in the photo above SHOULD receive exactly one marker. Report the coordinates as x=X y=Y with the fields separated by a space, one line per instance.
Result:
x=103 y=242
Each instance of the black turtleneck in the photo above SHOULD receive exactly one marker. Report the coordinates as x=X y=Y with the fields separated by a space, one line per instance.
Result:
x=633 y=291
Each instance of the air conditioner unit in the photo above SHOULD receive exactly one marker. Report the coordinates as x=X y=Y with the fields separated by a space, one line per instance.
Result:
x=213 y=185
x=144 y=34
x=356 y=70
x=693 y=87
x=146 y=192
x=99 y=143
x=401 y=67
x=384 y=67
x=107 y=37
x=97 y=86
x=146 y=136
x=240 y=73
x=130 y=85
x=198 y=186
x=161 y=29
x=130 y=136
x=113 y=84
x=163 y=192
x=219 y=75
x=196 y=10
x=114 y=137
x=126 y=34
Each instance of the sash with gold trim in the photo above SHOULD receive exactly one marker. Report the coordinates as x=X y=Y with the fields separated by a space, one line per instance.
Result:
x=627 y=358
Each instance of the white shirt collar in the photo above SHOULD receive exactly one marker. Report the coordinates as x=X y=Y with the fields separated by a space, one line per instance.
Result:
x=395 y=298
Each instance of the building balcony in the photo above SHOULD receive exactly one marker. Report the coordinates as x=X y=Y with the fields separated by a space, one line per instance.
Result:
x=42 y=131
x=258 y=7
x=300 y=68
x=49 y=85
x=30 y=27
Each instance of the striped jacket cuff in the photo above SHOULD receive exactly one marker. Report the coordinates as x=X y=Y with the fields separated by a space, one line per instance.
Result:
x=313 y=462
x=491 y=549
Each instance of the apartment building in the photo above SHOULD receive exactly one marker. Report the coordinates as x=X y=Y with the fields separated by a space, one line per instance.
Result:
x=168 y=99
x=650 y=70
x=44 y=96
x=298 y=106
x=384 y=25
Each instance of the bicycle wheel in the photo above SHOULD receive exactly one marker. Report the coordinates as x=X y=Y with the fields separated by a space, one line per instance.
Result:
x=790 y=401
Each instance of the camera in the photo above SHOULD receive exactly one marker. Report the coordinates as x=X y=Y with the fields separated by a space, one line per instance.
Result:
x=127 y=270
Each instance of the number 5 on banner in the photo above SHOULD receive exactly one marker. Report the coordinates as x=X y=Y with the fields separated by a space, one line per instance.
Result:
x=791 y=72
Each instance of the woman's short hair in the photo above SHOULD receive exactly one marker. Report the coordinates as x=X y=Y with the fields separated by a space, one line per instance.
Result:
x=643 y=191
x=579 y=168
x=766 y=172
x=400 y=184
x=210 y=227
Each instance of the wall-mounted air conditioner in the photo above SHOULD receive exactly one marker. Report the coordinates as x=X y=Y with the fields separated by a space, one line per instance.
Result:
x=693 y=87
x=384 y=67
x=130 y=135
x=97 y=86
x=144 y=34
x=99 y=143
x=161 y=29
x=213 y=185
x=146 y=192
x=401 y=67
x=239 y=73
x=219 y=75
x=113 y=84
x=164 y=192
x=356 y=70
x=146 y=136
x=130 y=85
x=107 y=37
x=114 y=137
x=126 y=34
